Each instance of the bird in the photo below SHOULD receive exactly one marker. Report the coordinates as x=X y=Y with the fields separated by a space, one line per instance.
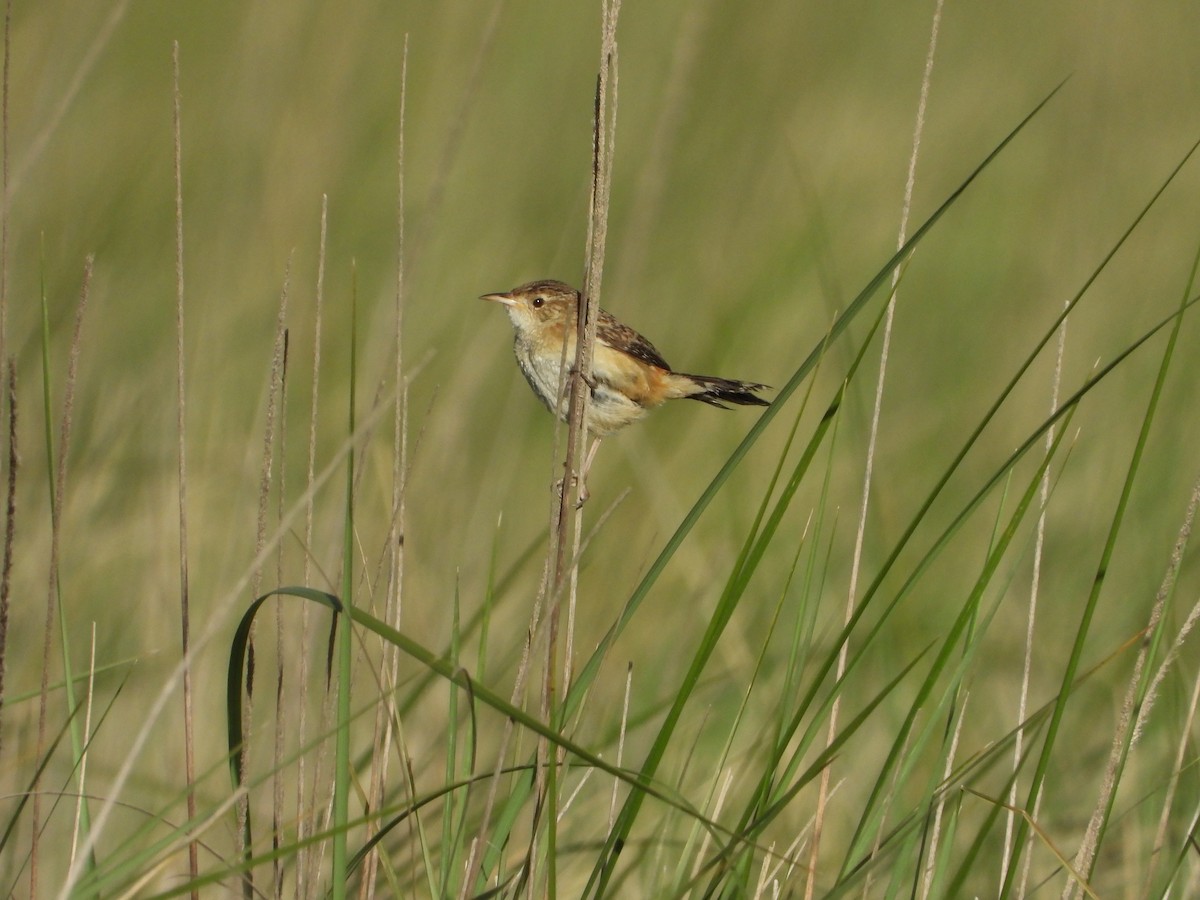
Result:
x=629 y=376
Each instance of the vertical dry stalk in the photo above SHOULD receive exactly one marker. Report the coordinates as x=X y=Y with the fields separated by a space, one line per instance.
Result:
x=11 y=370
x=385 y=713
x=588 y=313
x=1181 y=756
x=83 y=759
x=56 y=506
x=1137 y=702
x=10 y=519
x=278 y=816
x=939 y=810
x=860 y=535
x=189 y=741
x=260 y=541
x=1039 y=545
x=4 y=205
x=305 y=855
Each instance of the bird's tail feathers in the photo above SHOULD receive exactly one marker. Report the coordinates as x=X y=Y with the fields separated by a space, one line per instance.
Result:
x=719 y=391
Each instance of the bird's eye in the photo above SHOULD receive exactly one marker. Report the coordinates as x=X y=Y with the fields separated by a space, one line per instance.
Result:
x=538 y=302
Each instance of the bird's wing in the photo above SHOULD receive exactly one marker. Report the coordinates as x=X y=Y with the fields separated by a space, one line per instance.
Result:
x=623 y=338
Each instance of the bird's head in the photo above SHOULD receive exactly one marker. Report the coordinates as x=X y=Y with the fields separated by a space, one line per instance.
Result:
x=538 y=304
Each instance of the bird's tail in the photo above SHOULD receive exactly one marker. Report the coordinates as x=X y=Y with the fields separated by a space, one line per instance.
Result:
x=719 y=391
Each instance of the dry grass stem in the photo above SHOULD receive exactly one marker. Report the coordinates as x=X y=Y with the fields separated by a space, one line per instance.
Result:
x=56 y=507
x=83 y=758
x=10 y=520
x=387 y=719
x=1181 y=756
x=872 y=440
x=1039 y=544
x=4 y=156
x=1164 y=591
x=10 y=370
x=278 y=815
x=624 y=727
x=189 y=736
x=306 y=812
x=936 y=831
x=604 y=123
x=260 y=541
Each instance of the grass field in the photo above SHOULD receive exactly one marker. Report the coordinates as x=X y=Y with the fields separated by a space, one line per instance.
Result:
x=761 y=159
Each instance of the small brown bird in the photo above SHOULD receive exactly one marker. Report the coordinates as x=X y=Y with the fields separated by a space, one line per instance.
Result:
x=629 y=376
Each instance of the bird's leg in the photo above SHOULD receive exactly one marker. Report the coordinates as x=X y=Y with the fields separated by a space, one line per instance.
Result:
x=581 y=480
x=583 y=473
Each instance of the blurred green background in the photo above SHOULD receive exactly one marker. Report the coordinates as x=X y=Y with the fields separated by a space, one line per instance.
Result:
x=761 y=156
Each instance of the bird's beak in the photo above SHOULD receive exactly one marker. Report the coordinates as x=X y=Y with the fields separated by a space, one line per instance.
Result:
x=506 y=299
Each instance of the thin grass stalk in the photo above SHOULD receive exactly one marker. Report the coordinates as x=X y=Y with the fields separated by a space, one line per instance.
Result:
x=83 y=758
x=185 y=628
x=53 y=601
x=5 y=80
x=872 y=440
x=1030 y=629
x=10 y=521
x=390 y=660
x=447 y=861
x=517 y=695
x=342 y=763
x=5 y=575
x=789 y=857
x=587 y=311
x=621 y=731
x=278 y=813
x=604 y=150
x=260 y=540
x=1085 y=857
x=956 y=709
x=1146 y=704
x=1181 y=756
x=931 y=858
x=306 y=813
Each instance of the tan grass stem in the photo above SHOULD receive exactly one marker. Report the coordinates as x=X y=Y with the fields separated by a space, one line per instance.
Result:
x=185 y=628
x=56 y=507
x=868 y=473
x=10 y=520
x=306 y=813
